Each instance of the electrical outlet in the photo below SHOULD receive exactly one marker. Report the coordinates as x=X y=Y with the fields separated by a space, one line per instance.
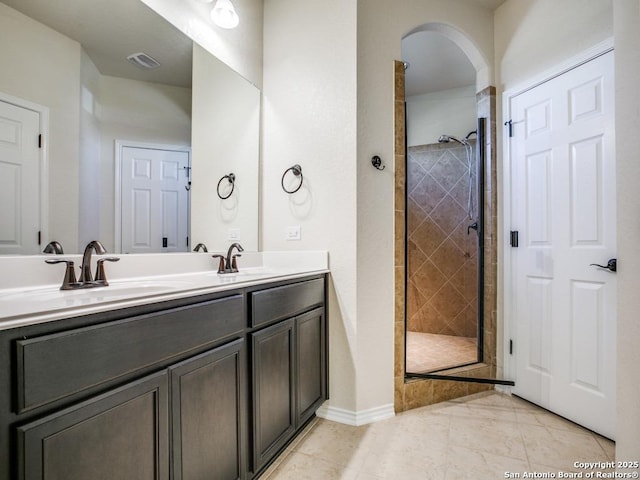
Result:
x=293 y=233
x=234 y=234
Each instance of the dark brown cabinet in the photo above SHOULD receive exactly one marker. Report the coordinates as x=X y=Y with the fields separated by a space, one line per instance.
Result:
x=207 y=404
x=273 y=390
x=121 y=434
x=289 y=381
x=310 y=363
x=211 y=386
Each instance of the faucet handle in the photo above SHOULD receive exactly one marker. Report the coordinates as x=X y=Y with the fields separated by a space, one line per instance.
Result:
x=101 y=276
x=221 y=266
x=69 y=282
x=234 y=264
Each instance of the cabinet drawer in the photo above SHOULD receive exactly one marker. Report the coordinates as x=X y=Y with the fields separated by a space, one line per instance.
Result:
x=282 y=302
x=54 y=366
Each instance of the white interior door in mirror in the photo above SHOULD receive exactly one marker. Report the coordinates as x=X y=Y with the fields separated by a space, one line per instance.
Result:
x=155 y=200
x=19 y=180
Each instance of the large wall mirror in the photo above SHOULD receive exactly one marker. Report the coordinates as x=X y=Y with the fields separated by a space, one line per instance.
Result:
x=132 y=156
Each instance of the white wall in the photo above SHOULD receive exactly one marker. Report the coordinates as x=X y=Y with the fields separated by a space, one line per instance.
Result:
x=29 y=54
x=533 y=36
x=240 y=48
x=627 y=41
x=225 y=139
x=451 y=112
x=309 y=118
x=315 y=116
x=89 y=162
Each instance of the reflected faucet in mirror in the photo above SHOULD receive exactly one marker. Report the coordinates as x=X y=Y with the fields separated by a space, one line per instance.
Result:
x=54 y=247
x=200 y=246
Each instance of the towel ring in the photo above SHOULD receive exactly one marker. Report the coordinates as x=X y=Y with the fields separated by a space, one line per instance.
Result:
x=297 y=171
x=232 y=180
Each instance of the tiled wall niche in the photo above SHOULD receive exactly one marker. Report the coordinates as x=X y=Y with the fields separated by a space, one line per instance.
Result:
x=419 y=392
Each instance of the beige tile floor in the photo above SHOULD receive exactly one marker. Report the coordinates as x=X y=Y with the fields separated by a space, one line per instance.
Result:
x=427 y=352
x=482 y=436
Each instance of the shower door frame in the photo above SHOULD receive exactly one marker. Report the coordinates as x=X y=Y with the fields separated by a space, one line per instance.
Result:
x=480 y=174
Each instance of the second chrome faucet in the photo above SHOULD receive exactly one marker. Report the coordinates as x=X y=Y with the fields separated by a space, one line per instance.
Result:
x=229 y=264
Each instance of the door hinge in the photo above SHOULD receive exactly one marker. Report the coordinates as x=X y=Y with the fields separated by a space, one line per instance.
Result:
x=513 y=241
x=509 y=124
x=510 y=347
x=187 y=240
x=39 y=238
x=165 y=241
x=40 y=140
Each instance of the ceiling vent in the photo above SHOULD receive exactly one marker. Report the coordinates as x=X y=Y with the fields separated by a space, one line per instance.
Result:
x=143 y=60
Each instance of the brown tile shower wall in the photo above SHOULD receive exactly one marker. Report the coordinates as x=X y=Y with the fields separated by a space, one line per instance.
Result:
x=442 y=261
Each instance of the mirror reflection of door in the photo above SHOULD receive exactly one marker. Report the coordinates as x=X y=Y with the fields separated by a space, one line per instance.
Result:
x=19 y=185
x=155 y=200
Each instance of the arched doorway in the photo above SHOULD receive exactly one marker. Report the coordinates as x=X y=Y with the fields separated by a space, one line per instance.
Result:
x=435 y=251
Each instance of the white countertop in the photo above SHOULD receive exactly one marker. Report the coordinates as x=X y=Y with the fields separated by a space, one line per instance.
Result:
x=159 y=278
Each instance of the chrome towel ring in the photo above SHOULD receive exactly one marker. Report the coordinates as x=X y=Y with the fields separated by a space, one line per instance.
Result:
x=232 y=180
x=297 y=171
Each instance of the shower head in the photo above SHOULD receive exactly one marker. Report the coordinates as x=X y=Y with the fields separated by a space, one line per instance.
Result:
x=449 y=138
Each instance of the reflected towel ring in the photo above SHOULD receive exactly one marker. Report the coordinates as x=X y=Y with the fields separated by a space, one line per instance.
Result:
x=232 y=180
x=297 y=171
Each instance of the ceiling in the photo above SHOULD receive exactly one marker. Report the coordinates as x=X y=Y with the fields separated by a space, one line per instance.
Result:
x=110 y=30
x=435 y=64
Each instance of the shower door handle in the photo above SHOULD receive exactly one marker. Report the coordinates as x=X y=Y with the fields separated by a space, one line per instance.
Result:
x=473 y=226
x=612 y=265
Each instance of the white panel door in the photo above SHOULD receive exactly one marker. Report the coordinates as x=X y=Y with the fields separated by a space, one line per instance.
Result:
x=563 y=206
x=19 y=180
x=155 y=202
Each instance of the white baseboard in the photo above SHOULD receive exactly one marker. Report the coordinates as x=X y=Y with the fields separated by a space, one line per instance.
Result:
x=356 y=419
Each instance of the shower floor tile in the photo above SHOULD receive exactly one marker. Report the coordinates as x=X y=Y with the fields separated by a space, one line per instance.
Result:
x=427 y=352
x=482 y=437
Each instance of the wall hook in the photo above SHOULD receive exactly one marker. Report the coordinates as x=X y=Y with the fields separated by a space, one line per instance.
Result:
x=376 y=161
x=297 y=171
x=232 y=180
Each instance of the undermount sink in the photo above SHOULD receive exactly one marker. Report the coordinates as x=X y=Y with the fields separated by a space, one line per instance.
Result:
x=116 y=289
x=243 y=273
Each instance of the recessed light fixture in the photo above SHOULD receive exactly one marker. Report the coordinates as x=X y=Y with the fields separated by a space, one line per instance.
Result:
x=143 y=60
x=224 y=15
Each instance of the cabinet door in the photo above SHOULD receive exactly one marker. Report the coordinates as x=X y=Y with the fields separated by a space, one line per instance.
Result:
x=120 y=434
x=273 y=392
x=207 y=403
x=310 y=364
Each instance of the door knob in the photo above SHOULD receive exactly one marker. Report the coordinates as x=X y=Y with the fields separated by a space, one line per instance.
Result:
x=611 y=265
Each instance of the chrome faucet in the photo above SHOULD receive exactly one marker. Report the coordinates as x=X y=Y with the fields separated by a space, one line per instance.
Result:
x=86 y=278
x=228 y=264
x=85 y=270
x=53 y=247
x=232 y=266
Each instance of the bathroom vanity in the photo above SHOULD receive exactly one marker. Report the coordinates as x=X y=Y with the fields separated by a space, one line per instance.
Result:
x=212 y=381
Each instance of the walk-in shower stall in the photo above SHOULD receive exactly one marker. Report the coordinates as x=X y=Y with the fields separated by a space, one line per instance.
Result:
x=444 y=249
